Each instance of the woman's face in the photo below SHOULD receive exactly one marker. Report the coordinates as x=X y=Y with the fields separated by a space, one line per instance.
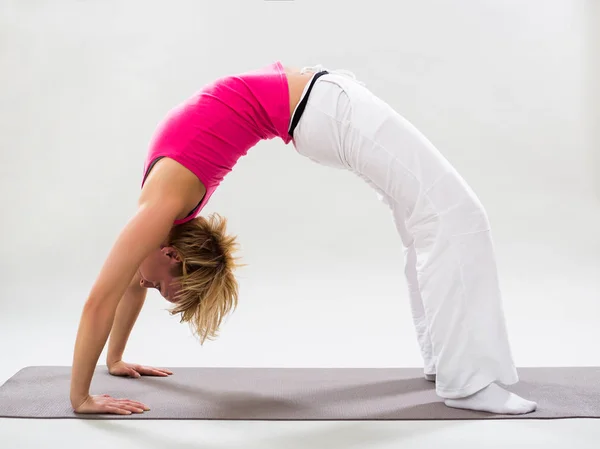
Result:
x=155 y=272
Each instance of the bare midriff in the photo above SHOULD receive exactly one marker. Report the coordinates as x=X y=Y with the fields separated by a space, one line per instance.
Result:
x=296 y=83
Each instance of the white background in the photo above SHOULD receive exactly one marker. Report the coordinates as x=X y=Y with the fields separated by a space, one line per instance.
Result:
x=506 y=89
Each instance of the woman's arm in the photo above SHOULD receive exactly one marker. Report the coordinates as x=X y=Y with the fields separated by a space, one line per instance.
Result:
x=127 y=313
x=166 y=196
x=145 y=232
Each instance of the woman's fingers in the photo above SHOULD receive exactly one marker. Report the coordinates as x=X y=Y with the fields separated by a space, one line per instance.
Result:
x=131 y=408
x=135 y=404
x=117 y=410
x=124 y=407
x=149 y=371
x=134 y=373
x=129 y=401
x=126 y=404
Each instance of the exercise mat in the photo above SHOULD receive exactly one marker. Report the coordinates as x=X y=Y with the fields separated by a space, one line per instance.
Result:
x=293 y=394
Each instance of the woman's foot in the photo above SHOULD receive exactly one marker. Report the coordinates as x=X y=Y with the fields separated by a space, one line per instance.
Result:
x=494 y=399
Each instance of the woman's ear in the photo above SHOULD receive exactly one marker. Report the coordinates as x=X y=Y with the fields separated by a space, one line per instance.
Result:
x=171 y=252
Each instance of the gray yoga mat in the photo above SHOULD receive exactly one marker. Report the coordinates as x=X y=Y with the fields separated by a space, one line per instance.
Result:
x=293 y=394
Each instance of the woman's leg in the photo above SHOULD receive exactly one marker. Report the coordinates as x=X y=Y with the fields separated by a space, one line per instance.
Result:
x=418 y=312
x=441 y=220
x=414 y=291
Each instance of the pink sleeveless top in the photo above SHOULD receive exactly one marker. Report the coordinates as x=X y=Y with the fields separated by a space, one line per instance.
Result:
x=210 y=131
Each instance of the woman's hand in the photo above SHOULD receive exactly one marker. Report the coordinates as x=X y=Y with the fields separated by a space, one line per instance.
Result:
x=121 y=368
x=106 y=404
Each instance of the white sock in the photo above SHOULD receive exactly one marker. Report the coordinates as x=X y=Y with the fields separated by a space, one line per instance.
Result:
x=430 y=377
x=494 y=399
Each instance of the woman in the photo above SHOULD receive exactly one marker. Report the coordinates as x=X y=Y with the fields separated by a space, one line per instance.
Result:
x=336 y=121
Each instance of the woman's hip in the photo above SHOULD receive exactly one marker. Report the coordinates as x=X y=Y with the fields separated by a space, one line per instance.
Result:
x=346 y=126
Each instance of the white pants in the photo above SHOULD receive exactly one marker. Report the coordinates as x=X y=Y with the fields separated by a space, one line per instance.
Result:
x=450 y=263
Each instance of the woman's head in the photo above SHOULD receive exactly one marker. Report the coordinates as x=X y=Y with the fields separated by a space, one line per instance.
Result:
x=195 y=272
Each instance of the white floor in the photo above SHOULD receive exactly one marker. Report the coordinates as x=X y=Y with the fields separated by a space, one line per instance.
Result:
x=335 y=313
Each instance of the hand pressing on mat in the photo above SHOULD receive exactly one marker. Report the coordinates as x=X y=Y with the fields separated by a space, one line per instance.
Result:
x=106 y=404
x=121 y=368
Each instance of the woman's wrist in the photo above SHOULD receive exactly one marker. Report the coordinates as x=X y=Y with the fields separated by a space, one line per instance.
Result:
x=78 y=398
x=112 y=360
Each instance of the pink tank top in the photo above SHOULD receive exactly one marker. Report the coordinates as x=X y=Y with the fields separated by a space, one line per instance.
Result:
x=210 y=131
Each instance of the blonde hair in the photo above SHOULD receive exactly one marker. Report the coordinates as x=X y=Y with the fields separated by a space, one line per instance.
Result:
x=208 y=289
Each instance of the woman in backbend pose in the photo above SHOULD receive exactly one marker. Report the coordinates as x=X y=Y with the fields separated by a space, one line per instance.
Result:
x=336 y=121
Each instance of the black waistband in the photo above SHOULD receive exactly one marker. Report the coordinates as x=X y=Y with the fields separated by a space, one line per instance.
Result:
x=302 y=105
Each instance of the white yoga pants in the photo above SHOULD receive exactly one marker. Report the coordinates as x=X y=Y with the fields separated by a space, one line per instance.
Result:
x=450 y=264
